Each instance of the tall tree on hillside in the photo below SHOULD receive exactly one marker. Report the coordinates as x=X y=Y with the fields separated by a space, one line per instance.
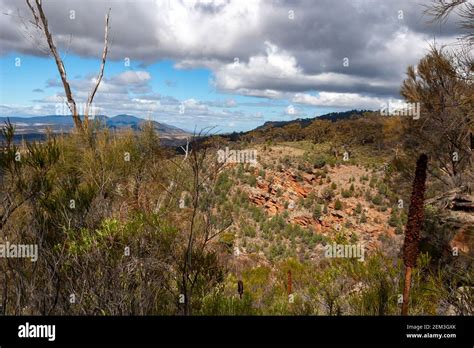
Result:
x=447 y=117
x=442 y=84
x=319 y=131
x=293 y=131
x=41 y=22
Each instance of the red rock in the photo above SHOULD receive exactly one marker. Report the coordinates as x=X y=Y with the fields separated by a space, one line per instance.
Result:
x=309 y=178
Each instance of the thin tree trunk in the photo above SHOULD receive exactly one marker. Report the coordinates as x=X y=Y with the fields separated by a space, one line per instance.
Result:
x=101 y=71
x=58 y=60
x=41 y=22
x=406 y=291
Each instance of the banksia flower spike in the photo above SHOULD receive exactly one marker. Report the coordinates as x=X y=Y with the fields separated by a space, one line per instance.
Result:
x=240 y=288
x=412 y=232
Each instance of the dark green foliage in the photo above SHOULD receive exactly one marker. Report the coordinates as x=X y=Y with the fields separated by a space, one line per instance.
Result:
x=319 y=162
x=377 y=199
x=317 y=211
x=328 y=194
x=394 y=219
x=346 y=193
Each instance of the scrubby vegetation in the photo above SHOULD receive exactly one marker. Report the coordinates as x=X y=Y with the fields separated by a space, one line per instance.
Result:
x=126 y=226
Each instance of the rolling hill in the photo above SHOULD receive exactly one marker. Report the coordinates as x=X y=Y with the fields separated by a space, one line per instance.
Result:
x=35 y=128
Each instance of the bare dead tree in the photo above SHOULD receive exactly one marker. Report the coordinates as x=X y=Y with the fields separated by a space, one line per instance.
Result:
x=197 y=265
x=186 y=150
x=101 y=71
x=41 y=22
x=203 y=178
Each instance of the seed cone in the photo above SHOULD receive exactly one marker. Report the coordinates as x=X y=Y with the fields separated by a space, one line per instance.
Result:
x=415 y=214
x=240 y=288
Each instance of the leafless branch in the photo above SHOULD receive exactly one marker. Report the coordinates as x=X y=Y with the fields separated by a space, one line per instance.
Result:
x=102 y=65
x=57 y=58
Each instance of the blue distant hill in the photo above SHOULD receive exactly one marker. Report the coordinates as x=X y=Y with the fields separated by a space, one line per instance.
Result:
x=59 y=123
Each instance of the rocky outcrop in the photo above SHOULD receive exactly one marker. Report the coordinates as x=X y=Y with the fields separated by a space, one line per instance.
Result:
x=258 y=199
x=305 y=221
x=273 y=207
x=309 y=178
x=281 y=191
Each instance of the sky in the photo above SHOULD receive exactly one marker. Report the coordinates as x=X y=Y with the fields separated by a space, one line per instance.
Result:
x=227 y=64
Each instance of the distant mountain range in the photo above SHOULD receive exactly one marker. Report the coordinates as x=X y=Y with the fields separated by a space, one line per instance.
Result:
x=304 y=122
x=333 y=116
x=59 y=124
x=36 y=127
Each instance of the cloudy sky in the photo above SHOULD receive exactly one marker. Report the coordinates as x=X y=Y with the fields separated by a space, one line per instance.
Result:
x=228 y=64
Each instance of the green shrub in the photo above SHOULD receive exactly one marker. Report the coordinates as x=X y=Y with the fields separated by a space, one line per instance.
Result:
x=394 y=219
x=317 y=211
x=328 y=194
x=319 y=162
x=377 y=200
x=248 y=230
x=346 y=194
